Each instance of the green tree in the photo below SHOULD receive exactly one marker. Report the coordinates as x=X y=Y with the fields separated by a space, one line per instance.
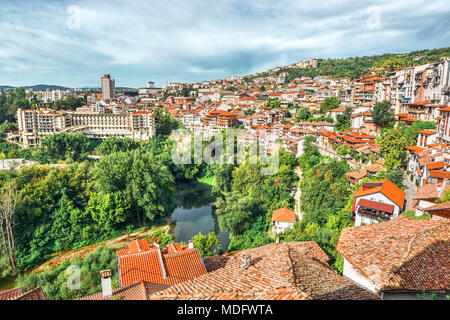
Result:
x=207 y=244
x=273 y=103
x=329 y=103
x=166 y=123
x=396 y=176
x=69 y=102
x=64 y=146
x=382 y=113
x=343 y=121
x=392 y=149
x=108 y=210
x=54 y=283
x=394 y=63
x=115 y=144
x=304 y=114
x=147 y=184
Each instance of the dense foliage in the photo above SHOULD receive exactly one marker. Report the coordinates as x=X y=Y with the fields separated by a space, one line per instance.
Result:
x=74 y=279
x=382 y=113
x=246 y=204
x=355 y=67
x=326 y=202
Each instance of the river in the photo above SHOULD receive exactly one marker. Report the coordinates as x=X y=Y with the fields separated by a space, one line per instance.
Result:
x=195 y=213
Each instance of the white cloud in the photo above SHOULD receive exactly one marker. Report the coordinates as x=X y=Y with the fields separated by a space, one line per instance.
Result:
x=198 y=38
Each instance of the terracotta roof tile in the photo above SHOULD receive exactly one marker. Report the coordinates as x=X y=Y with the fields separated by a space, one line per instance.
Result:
x=284 y=215
x=10 y=294
x=400 y=254
x=286 y=271
x=159 y=267
x=135 y=291
x=440 y=174
x=386 y=187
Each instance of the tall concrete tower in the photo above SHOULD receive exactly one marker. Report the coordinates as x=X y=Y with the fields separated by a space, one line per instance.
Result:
x=108 y=87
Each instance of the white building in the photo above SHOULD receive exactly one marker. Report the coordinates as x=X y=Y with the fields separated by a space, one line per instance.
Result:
x=283 y=219
x=36 y=124
x=379 y=200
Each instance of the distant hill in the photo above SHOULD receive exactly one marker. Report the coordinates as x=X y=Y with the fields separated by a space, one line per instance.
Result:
x=45 y=87
x=38 y=87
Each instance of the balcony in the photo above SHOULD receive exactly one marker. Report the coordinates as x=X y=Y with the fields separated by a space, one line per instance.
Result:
x=374 y=214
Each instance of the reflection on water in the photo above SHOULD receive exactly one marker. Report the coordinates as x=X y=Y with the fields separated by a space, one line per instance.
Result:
x=195 y=213
x=7 y=282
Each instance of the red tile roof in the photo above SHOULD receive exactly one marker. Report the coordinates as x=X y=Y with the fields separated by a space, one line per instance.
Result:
x=427 y=132
x=10 y=294
x=386 y=187
x=285 y=271
x=16 y=294
x=376 y=205
x=159 y=267
x=400 y=254
x=138 y=245
x=441 y=209
x=284 y=215
x=415 y=148
x=135 y=291
x=435 y=165
x=430 y=191
x=440 y=174
x=357 y=174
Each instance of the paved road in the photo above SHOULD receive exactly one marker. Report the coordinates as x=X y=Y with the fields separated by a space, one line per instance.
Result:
x=297 y=195
x=411 y=190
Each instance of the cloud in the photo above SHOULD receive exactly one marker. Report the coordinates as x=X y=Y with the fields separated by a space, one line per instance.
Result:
x=194 y=40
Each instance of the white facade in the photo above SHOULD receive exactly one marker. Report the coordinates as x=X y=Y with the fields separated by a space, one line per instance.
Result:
x=36 y=124
x=375 y=197
x=281 y=226
x=353 y=274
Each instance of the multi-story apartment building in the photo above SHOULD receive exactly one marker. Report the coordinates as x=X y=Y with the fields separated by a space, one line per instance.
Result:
x=108 y=87
x=364 y=88
x=36 y=124
x=52 y=95
x=414 y=89
x=443 y=127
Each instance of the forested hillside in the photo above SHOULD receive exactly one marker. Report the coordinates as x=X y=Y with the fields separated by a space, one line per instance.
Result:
x=355 y=67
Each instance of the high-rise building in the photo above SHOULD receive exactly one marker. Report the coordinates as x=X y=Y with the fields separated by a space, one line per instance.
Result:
x=108 y=87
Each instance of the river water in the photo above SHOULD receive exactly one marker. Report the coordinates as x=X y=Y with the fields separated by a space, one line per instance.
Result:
x=195 y=213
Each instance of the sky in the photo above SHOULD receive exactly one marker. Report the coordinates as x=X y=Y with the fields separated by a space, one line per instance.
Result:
x=74 y=42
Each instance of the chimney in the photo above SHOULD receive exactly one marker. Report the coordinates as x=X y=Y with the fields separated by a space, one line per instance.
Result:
x=191 y=244
x=246 y=259
x=106 y=283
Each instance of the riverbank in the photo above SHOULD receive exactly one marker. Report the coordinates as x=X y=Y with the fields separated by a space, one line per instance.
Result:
x=153 y=234
x=195 y=213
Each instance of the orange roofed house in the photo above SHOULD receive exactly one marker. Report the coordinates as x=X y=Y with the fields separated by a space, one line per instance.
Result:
x=283 y=219
x=377 y=200
x=144 y=262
